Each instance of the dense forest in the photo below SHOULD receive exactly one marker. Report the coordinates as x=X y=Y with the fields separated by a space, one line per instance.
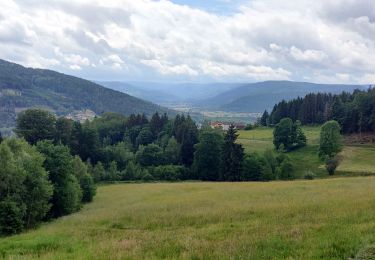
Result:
x=120 y=148
x=355 y=111
x=22 y=88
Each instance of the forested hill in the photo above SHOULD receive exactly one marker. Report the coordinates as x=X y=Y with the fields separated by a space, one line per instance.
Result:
x=355 y=111
x=22 y=88
x=256 y=97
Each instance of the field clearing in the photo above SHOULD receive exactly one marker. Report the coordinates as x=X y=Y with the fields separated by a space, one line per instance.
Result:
x=326 y=219
x=359 y=159
x=355 y=160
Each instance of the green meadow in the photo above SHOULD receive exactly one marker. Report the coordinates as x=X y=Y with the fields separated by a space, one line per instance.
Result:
x=319 y=219
x=355 y=159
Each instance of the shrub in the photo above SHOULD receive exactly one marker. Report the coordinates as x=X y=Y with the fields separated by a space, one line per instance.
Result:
x=286 y=170
x=168 y=172
x=88 y=188
x=309 y=175
x=11 y=217
x=331 y=165
x=249 y=127
x=147 y=176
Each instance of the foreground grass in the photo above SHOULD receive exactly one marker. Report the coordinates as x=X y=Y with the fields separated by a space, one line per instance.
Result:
x=325 y=219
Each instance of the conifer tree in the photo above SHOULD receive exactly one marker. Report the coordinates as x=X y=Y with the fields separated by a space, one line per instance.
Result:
x=232 y=157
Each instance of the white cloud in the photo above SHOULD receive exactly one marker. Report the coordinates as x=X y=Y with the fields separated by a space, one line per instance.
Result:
x=264 y=39
x=307 y=55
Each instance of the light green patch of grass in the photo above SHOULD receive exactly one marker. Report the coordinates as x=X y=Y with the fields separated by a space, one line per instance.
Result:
x=319 y=219
x=305 y=159
x=358 y=159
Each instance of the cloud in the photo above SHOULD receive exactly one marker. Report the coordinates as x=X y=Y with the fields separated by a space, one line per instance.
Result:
x=307 y=55
x=258 y=40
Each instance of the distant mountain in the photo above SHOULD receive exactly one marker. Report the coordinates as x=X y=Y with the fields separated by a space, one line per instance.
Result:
x=256 y=97
x=22 y=88
x=147 y=93
x=171 y=93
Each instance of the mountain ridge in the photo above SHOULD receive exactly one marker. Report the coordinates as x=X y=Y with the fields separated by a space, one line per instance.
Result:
x=256 y=97
x=22 y=88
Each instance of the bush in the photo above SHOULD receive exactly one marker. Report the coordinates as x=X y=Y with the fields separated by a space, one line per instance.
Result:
x=309 y=175
x=331 y=165
x=286 y=170
x=249 y=127
x=147 y=176
x=168 y=172
x=132 y=171
x=88 y=188
x=11 y=217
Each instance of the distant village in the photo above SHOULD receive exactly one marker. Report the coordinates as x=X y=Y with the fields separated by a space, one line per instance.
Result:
x=225 y=125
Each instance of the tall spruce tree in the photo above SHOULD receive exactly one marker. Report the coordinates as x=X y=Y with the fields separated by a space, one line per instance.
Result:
x=264 y=120
x=207 y=156
x=232 y=157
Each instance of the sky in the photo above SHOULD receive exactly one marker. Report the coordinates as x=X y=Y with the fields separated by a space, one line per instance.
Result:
x=325 y=41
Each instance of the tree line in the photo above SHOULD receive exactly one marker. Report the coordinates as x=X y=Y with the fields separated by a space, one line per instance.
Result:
x=355 y=112
x=119 y=148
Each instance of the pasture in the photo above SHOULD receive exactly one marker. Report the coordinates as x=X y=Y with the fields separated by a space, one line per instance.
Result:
x=325 y=219
x=355 y=159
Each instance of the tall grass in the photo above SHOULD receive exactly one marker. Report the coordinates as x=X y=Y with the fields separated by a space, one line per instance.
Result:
x=321 y=219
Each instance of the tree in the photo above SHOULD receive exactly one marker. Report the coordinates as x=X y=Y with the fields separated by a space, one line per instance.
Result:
x=119 y=153
x=98 y=172
x=35 y=125
x=285 y=171
x=150 y=155
x=189 y=134
x=59 y=163
x=144 y=137
x=112 y=172
x=330 y=140
x=288 y=135
x=63 y=131
x=89 y=143
x=85 y=180
x=232 y=157
x=11 y=217
x=283 y=134
x=299 y=138
x=24 y=187
x=255 y=168
x=207 y=156
x=264 y=120
x=172 y=151
x=156 y=124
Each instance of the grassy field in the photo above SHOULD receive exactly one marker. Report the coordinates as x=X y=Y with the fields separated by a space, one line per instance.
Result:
x=320 y=219
x=354 y=159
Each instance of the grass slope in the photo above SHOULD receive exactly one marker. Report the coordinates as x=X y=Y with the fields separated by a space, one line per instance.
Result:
x=355 y=160
x=320 y=219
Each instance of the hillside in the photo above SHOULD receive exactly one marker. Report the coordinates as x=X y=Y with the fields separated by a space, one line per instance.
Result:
x=256 y=97
x=22 y=88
